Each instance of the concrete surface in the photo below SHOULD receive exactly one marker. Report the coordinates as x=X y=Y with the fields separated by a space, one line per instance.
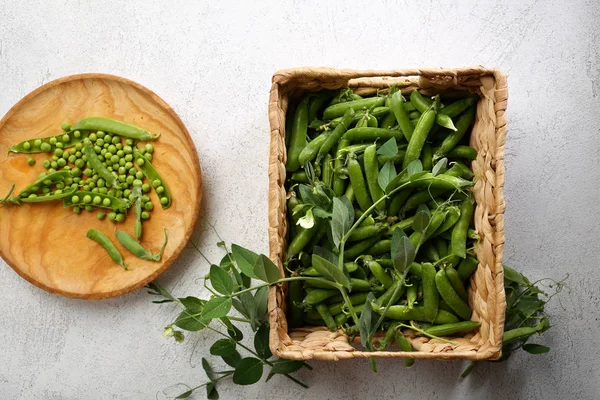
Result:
x=212 y=61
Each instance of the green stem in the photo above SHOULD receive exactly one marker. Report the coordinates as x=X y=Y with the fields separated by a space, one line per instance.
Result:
x=212 y=381
x=290 y=279
x=239 y=319
x=422 y=332
x=201 y=253
x=350 y=306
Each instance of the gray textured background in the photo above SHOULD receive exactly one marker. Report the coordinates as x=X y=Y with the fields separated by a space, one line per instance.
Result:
x=212 y=61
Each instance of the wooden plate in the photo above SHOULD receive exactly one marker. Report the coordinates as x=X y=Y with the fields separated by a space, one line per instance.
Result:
x=46 y=243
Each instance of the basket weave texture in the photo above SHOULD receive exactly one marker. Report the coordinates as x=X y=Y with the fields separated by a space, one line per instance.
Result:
x=486 y=291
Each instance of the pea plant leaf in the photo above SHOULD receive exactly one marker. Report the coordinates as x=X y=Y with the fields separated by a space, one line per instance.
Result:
x=240 y=307
x=535 y=348
x=307 y=221
x=220 y=280
x=421 y=219
x=403 y=252
x=222 y=347
x=211 y=392
x=190 y=321
x=248 y=371
x=261 y=298
x=367 y=321
x=326 y=254
x=192 y=304
x=245 y=260
x=417 y=175
x=208 y=369
x=225 y=263
x=342 y=219
x=266 y=270
x=386 y=175
x=232 y=330
x=250 y=304
x=284 y=367
x=330 y=271
x=389 y=148
x=216 y=308
x=261 y=342
x=185 y=395
x=232 y=360
x=440 y=167
x=414 y=168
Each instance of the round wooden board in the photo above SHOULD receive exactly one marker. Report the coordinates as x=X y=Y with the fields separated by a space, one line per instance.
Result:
x=46 y=243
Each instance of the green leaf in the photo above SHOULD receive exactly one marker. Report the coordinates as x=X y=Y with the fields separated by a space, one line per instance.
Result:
x=440 y=167
x=220 y=280
x=403 y=252
x=245 y=260
x=216 y=308
x=248 y=371
x=239 y=306
x=261 y=300
x=284 y=367
x=421 y=219
x=211 y=392
x=249 y=303
x=190 y=321
x=261 y=342
x=326 y=254
x=533 y=348
x=342 y=219
x=233 y=360
x=514 y=276
x=208 y=369
x=389 y=148
x=223 y=347
x=414 y=168
x=386 y=175
x=418 y=175
x=185 y=395
x=193 y=305
x=159 y=290
x=226 y=262
x=330 y=271
x=367 y=322
x=266 y=270
x=307 y=221
x=232 y=330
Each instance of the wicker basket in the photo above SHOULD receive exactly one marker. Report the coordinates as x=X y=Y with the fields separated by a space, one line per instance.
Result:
x=486 y=293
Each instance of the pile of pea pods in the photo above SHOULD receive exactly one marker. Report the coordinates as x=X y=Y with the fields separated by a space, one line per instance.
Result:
x=97 y=164
x=341 y=144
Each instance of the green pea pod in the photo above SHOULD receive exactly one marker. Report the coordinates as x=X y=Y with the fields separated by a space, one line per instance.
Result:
x=299 y=176
x=365 y=232
x=355 y=299
x=441 y=181
x=317 y=102
x=458 y=243
x=388 y=338
x=452 y=329
x=357 y=180
x=397 y=202
x=309 y=152
x=96 y=200
x=359 y=285
x=372 y=173
x=421 y=197
x=411 y=295
x=452 y=217
x=456 y=108
x=388 y=295
x=417 y=140
x=463 y=152
x=467 y=267
x=377 y=270
x=441 y=245
x=431 y=296
x=372 y=121
x=100 y=238
x=336 y=135
x=371 y=134
x=360 y=115
x=134 y=247
x=462 y=125
x=450 y=296
x=298 y=135
x=317 y=296
x=397 y=159
x=340 y=109
x=68 y=139
x=401 y=114
x=154 y=177
x=326 y=316
x=403 y=313
x=405 y=224
x=301 y=239
x=461 y=170
x=427 y=157
x=114 y=126
x=422 y=104
x=339 y=184
x=379 y=248
x=327 y=174
x=430 y=252
x=405 y=346
x=98 y=166
x=359 y=248
x=457 y=283
x=294 y=316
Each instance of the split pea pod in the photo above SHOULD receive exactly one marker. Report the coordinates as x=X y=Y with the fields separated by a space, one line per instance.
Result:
x=450 y=296
x=326 y=316
x=137 y=210
x=100 y=238
x=458 y=243
x=357 y=180
x=340 y=109
x=56 y=195
x=419 y=136
x=431 y=296
x=422 y=105
x=372 y=173
x=452 y=329
x=98 y=166
x=401 y=114
x=462 y=125
x=158 y=183
x=134 y=247
x=298 y=135
x=48 y=144
x=82 y=198
x=336 y=135
x=114 y=126
x=35 y=186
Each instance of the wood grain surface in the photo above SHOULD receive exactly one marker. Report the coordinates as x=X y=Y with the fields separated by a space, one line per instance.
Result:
x=46 y=243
